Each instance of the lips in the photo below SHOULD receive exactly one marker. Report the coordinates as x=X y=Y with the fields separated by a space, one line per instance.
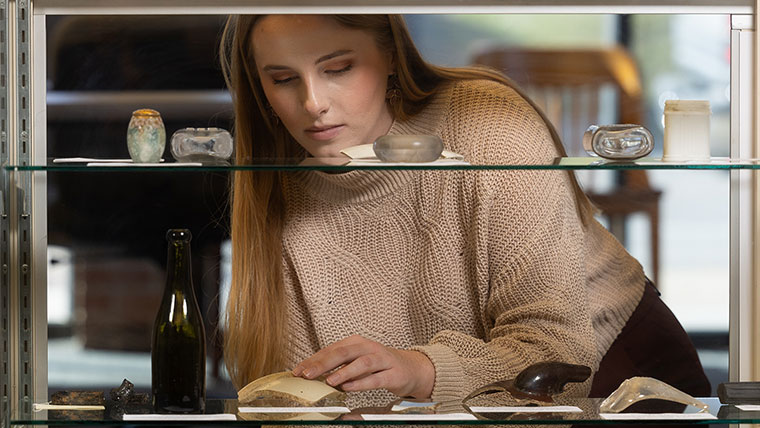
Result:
x=324 y=132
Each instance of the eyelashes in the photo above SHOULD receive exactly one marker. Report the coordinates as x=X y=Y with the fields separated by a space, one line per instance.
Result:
x=282 y=81
x=337 y=72
x=340 y=71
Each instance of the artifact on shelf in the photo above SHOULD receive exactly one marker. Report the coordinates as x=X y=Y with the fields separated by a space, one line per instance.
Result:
x=637 y=389
x=687 y=130
x=618 y=142
x=391 y=151
x=125 y=394
x=206 y=145
x=146 y=136
x=538 y=382
x=86 y=405
x=408 y=148
x=74 y=405
x=739 y=392
x=282 y=389
x=290 y=391
x=86 y=398
x=178 y=351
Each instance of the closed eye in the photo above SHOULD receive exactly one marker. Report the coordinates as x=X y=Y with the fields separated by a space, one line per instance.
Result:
x=282 y=81
x=341 y=70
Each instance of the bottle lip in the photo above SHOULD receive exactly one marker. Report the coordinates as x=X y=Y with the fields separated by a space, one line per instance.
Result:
x=179 y=235
x=147 y=112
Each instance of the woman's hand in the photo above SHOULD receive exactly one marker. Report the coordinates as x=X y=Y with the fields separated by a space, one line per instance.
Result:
x=361 y=364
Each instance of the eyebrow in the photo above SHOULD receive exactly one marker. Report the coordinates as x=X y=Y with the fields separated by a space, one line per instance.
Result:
x=320 y=59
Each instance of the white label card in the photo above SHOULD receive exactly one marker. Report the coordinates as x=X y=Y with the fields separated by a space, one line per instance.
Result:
x=420 y=417
x=526 y=409
x=748 y=407
x=167 y=417
x=657 y=416
x=332 y=409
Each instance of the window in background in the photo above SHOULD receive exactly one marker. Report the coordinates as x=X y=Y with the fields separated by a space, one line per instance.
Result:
x=678 y=62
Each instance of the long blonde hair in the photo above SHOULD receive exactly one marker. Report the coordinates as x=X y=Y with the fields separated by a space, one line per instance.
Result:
x=255 y=327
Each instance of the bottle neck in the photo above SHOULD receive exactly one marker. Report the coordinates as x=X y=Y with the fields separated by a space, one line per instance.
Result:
x=179 y=266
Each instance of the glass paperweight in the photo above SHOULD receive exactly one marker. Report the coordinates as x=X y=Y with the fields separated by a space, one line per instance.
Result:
x=146 y=136
x=620 y=142
x=636 y=389
x=205 y=145
x=408 y=148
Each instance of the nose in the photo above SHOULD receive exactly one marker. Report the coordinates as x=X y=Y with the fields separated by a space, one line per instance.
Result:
x=316 y=100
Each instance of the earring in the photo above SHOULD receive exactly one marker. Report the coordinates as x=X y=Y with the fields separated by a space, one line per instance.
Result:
x=393 y=93
x=273 y=115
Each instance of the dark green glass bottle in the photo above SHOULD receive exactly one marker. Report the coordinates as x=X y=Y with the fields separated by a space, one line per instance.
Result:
x=178 y=351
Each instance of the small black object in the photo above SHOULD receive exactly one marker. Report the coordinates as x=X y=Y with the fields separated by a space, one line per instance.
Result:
x=739 y=392
x=123 y=393
x=542 y=380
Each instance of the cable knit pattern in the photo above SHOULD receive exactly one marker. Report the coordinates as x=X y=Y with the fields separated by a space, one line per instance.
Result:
x=485 y=272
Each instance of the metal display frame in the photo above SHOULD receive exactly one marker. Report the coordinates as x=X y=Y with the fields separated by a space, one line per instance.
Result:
x=23 y=203
x=5 y=363
x=22 y=301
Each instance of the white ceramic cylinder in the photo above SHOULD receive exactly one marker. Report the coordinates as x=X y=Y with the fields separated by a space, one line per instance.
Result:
x=687 y=130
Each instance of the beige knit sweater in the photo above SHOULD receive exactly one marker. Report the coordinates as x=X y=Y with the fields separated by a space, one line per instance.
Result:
x=485 y=272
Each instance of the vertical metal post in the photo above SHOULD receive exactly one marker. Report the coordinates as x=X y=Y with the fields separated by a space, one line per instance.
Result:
x=5 y=386
x=37 y=197
x=742 y=324
x=19 y=212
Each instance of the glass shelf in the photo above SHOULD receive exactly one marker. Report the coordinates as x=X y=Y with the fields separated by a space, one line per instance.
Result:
x=724 y=414
x=343 y=164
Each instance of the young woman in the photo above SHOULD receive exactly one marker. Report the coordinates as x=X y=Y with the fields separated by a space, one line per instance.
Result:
x=417 y=283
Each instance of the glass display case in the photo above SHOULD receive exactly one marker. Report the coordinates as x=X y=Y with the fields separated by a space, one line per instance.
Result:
x=28 y=170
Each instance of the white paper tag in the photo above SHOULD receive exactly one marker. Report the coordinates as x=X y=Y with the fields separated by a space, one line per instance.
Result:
x=117 y=164
x=366 y=152
x=526 y=409
x=168 y=417
x=404 y=405
x=420 y=417
x=656 y=416
x=81 y=160
x=333 y=409
x=748 y=407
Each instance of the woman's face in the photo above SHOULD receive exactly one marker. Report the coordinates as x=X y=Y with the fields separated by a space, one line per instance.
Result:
x=326 y=82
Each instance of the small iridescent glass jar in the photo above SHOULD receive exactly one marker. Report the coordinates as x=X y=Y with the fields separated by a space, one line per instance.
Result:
x=146 y=136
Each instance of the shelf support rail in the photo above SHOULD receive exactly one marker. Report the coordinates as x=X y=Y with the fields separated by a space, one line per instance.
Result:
x=743 y=328
x=17 y=192
x=5 y=363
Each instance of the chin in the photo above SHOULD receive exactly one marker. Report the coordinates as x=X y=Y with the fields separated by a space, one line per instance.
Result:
x=330 y=152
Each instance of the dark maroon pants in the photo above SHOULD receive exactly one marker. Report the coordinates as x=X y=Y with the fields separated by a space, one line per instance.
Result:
x=652 y=343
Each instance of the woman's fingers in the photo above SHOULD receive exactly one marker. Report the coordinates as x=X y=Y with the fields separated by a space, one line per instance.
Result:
x=359 y=364
x=333 y=356
x=366 y=383
x=362 y=366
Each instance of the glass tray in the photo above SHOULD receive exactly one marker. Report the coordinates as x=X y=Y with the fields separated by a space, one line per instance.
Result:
x=724 y=414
